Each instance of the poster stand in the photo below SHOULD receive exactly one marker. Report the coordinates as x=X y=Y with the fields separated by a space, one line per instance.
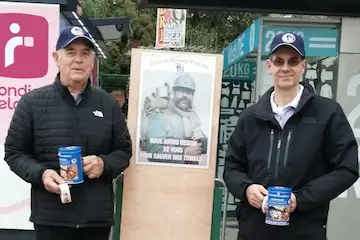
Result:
x=171 y=201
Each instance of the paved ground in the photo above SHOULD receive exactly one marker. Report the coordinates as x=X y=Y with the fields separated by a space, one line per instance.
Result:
x=231 y=229
x=231 y=234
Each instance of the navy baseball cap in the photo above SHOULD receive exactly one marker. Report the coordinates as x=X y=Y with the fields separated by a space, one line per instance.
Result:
x=70 y=34
x=288 y=39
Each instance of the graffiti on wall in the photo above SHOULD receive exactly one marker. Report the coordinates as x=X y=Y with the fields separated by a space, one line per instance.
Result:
x=236 y=95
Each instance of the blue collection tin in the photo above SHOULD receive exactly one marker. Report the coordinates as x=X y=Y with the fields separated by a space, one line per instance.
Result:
x=278 y=212
x=70 y=161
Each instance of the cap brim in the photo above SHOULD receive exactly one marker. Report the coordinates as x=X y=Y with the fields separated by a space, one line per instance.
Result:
x=90 y=42
x=289 y=45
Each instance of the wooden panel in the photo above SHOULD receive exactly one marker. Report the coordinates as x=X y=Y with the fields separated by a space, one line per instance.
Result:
x=167 y=203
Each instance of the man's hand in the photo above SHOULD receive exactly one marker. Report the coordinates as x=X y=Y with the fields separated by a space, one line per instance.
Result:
x=264 y=206
x=255 y=194
x=51 y=180
x=192 y=151
x=292 y=203
x=197 y=134
x=93 y=166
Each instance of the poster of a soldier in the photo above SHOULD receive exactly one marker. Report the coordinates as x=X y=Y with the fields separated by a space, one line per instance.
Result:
x=175 y=111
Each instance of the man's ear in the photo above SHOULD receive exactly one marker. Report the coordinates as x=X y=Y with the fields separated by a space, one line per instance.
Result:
x=304 y=65
x=268 y=65
x=55 y=56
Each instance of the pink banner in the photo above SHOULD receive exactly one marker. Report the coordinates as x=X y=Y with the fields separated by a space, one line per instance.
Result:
x=28 y=38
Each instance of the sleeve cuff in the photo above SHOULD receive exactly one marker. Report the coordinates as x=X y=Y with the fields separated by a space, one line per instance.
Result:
x=39 y=174
x=107 y=168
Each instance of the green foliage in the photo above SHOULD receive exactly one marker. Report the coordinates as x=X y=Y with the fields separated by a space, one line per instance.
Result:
x=206 y=31
x=215 y=30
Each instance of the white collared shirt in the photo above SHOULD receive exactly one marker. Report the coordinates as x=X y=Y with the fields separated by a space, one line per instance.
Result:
x=282 y=114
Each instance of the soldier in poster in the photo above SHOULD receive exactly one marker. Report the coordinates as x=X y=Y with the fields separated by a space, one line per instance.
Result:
x=176 y=127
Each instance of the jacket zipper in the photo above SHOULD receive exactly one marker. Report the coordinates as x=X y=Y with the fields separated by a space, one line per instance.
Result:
x=75 y=125
x=271 y=148
x=278 y=156
x=287 y=147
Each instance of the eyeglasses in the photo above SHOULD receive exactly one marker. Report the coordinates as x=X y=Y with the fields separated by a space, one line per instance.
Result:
x=292 y=62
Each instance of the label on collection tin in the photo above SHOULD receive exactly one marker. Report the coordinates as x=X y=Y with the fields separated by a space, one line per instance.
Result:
x=70 y=161
x=278 y=211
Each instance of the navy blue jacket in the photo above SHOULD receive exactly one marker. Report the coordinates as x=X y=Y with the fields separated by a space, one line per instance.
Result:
x=316 y=154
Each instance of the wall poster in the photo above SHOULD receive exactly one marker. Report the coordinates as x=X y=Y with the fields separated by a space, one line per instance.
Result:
x=170 y=28
x=175 y=109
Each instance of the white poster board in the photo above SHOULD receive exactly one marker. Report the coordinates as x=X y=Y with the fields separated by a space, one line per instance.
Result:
x=171 y=200
x=168 y=130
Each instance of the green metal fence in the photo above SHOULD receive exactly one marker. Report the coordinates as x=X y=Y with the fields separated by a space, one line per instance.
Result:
x=110 y=82
x=118 y=190
x=218 y=217
x=218 y=224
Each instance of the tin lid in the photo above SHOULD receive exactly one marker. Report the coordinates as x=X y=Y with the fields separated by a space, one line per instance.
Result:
x=279 y=189
x=70 y=149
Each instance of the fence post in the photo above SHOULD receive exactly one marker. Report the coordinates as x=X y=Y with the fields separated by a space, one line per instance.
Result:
x=118 y=190
x=219 y=222
x=216 y=213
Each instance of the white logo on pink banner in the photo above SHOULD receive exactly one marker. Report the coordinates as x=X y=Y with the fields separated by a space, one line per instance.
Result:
x=15 y=42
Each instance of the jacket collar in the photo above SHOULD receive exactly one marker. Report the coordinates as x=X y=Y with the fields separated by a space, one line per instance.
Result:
x=64 y=91
x=263 y=110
